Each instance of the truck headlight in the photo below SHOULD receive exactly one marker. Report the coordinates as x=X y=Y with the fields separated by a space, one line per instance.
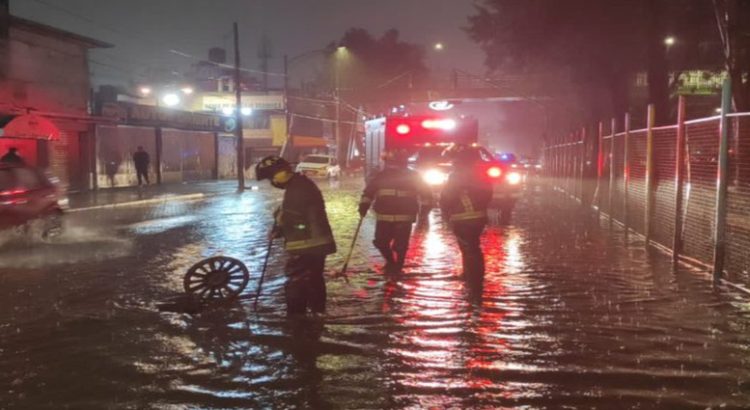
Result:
x=514 y=178
x=434 y=177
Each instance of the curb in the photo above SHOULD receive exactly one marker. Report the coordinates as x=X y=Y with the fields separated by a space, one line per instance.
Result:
x=158 y=200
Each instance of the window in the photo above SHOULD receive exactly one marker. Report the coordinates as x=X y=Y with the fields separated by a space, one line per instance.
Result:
x=317 y=159
x=485 y=155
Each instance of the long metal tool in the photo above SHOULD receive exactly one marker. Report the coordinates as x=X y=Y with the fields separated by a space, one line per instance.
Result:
x=263 y=273
x=351 y=250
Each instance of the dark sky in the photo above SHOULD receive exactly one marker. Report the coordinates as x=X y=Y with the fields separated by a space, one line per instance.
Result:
x=143 y=31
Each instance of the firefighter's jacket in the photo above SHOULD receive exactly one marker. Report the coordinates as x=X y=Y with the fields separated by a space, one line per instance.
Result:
x=396 y=195
x=302 y=219
x=465 y=196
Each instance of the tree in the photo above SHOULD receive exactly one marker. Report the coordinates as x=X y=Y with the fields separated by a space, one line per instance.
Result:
x=379 y=65
x=732 y=17
x=599 y=45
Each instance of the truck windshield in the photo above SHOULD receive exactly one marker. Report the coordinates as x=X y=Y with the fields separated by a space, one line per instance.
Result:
x=316 y=159
x=429 y=155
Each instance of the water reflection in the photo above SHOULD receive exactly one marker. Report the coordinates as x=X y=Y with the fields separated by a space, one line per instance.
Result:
x=559 y=321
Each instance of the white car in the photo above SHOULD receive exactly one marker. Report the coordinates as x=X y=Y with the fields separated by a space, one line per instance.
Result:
x=316 y=165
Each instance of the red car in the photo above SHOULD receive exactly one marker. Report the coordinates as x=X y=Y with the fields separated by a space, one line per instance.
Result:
x=28 y=199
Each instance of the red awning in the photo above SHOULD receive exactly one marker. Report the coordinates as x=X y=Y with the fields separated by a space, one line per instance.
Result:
x=305 y=142
x=32 y=127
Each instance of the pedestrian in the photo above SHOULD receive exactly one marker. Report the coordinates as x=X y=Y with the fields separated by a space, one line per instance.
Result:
x=396 y=194
x=463 y=203
x=141 y=160
x=302 y=222
x=12 y=157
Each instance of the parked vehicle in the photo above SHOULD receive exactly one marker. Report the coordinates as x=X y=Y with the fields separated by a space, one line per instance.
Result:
x=30 y=201
x=317 y=165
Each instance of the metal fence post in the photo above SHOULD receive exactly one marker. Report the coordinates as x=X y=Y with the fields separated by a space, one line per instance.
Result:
x=599 y=169
x=722 y=181
x=159 y=141
x=582 y=171
x=626 y=175
x=568 y=165
x=611 y=192
x=649 y=173
x=679 y=180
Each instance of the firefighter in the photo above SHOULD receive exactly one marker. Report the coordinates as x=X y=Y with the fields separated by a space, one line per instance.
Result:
x=395 y=194
x=302 y=222
x=463 y=203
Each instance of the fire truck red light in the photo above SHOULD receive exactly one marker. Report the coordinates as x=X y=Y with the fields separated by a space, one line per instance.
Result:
x=403 y=129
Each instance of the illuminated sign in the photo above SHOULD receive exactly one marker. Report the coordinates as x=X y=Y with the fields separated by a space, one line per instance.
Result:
x=149 y=115
x=226 y=101
x=441 y=105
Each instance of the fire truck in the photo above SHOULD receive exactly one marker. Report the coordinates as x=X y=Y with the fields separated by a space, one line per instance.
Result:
x=425 y=138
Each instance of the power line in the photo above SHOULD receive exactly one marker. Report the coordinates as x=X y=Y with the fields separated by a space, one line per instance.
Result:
x=131 y=35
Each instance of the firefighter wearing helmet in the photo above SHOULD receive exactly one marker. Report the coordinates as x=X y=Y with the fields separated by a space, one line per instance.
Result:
x=463 y=203
x=302 y=222
x=396 y=194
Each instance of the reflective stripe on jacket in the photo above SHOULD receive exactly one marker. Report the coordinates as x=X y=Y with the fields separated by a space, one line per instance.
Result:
x=302 y=219
x=465 y=197
x=397 y=194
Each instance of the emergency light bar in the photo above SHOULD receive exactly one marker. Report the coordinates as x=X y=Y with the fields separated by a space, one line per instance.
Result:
x=445 y=124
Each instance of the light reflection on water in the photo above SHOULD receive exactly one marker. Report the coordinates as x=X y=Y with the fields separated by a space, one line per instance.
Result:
x=554 y=325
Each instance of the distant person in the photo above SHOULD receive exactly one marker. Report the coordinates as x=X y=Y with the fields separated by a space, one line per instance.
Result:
x=463 y=203
x=12 y=157
x=396 y=194
x=141 y=161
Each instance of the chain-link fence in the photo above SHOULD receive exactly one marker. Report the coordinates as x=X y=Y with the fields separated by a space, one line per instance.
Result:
x=632 y=179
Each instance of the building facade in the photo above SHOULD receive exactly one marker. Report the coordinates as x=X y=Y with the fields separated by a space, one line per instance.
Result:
x=44 y=98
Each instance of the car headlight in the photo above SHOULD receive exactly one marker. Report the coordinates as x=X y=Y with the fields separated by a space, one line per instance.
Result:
x=514 y=178
x=434 y=177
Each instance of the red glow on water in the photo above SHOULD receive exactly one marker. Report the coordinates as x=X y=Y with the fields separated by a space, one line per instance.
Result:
x=12 y=192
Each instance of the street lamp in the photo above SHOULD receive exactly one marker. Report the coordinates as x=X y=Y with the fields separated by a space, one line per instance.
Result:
x=170 y=99
x=338 y=53
x=669 y=41
x=145 y=91
x=439 y=47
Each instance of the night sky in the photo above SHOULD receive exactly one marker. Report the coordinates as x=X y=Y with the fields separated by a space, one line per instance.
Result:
x=143 y=31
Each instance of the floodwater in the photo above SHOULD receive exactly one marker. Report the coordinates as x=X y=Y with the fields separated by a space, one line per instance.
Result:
x=568 y=317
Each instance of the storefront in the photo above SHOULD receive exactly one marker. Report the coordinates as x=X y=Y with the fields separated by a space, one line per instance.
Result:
x=31 y=135
x=183 y=146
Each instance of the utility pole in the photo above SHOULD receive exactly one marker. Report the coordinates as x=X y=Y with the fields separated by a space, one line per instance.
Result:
x=4 y=33
x=286 y=103
x=338 y=138
x=238 y=113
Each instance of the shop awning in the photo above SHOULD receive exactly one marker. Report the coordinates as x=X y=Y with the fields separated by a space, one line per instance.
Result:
x=29 y=126
x=301 y=141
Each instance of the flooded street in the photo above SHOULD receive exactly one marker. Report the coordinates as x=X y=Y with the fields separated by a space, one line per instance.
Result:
x=569 y=317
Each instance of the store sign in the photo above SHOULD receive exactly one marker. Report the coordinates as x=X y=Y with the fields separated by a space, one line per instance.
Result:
x=217 y=103
x=152 y=116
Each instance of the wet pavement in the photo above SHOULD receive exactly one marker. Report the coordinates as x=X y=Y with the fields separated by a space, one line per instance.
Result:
x=568 y=317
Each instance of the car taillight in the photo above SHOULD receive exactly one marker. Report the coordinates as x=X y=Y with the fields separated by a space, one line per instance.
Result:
x=494 y=172
x=403 y=129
